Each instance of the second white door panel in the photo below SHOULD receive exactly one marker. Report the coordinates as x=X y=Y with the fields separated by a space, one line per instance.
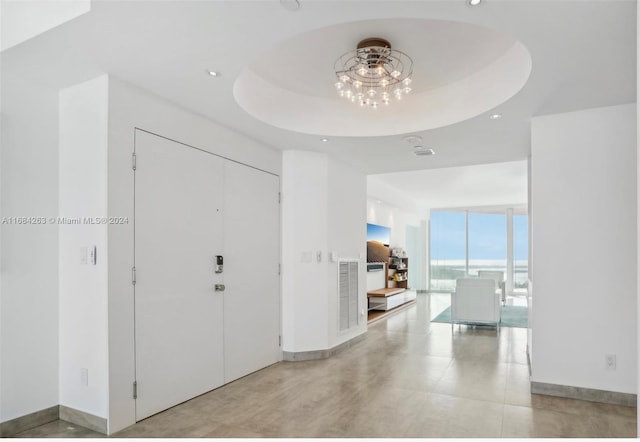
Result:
x=252 y=250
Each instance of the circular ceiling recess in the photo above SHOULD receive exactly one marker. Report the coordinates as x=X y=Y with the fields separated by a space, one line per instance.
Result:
x=459 y=71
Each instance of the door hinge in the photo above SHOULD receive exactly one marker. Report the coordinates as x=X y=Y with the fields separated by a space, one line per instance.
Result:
x=133 y=275
x=133 y=161
x=279 y=268
x=135 y=389
x=279 y=197
x=280 y=341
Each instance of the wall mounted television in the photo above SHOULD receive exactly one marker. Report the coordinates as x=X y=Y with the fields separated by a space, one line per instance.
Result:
x=378 y=238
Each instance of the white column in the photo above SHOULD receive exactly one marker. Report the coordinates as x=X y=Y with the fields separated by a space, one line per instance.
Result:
x=83 y=301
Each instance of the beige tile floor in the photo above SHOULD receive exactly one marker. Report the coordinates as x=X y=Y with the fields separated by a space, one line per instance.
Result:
x=409 y=378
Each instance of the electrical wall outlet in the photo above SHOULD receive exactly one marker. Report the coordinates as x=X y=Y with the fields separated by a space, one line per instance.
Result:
x=610 y=362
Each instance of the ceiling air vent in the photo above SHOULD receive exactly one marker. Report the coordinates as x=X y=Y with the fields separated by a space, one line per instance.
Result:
x=423 y=151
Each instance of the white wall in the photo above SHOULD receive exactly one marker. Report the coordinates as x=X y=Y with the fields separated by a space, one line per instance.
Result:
x=584 y=199
x=305 y=199
x=379 y=212
x=82 y=285
x=29 y=253
x=638 y=214
x=347 y=238
x=130 y=107
x=323 y=211
x=399 y=219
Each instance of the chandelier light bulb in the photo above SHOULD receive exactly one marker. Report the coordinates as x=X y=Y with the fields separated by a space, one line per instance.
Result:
x=372 y=72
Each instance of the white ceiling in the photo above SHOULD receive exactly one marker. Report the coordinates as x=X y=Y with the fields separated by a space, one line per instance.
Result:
x=483 y=187
x=583 y=55
x=443 y=52
x=23 y=20
x=460 y=71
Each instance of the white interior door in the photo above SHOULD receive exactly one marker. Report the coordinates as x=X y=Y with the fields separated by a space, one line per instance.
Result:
x=178 y=232
x=251 y=273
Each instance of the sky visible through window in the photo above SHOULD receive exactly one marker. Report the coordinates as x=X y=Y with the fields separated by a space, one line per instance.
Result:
x=448 y=230
x=487 y=248
x=487 y=236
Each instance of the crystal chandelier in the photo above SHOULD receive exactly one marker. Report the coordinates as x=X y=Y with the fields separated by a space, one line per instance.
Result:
x=373 y=74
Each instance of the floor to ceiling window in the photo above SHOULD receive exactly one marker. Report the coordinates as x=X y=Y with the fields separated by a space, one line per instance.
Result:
x=487 y=242
x=520 y=252
x=464 y=242
x=448 y=249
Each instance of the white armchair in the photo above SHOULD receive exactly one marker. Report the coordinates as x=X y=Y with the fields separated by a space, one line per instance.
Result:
x=498 y=277
x=475 y=301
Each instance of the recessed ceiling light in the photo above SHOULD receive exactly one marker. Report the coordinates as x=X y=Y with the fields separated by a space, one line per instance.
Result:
x=324 y=140
x=495 y=116
x=474 y=2
x=213 y=73
x=413 y=139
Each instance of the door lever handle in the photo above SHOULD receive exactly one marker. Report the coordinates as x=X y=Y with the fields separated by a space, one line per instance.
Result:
x=219 y=287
